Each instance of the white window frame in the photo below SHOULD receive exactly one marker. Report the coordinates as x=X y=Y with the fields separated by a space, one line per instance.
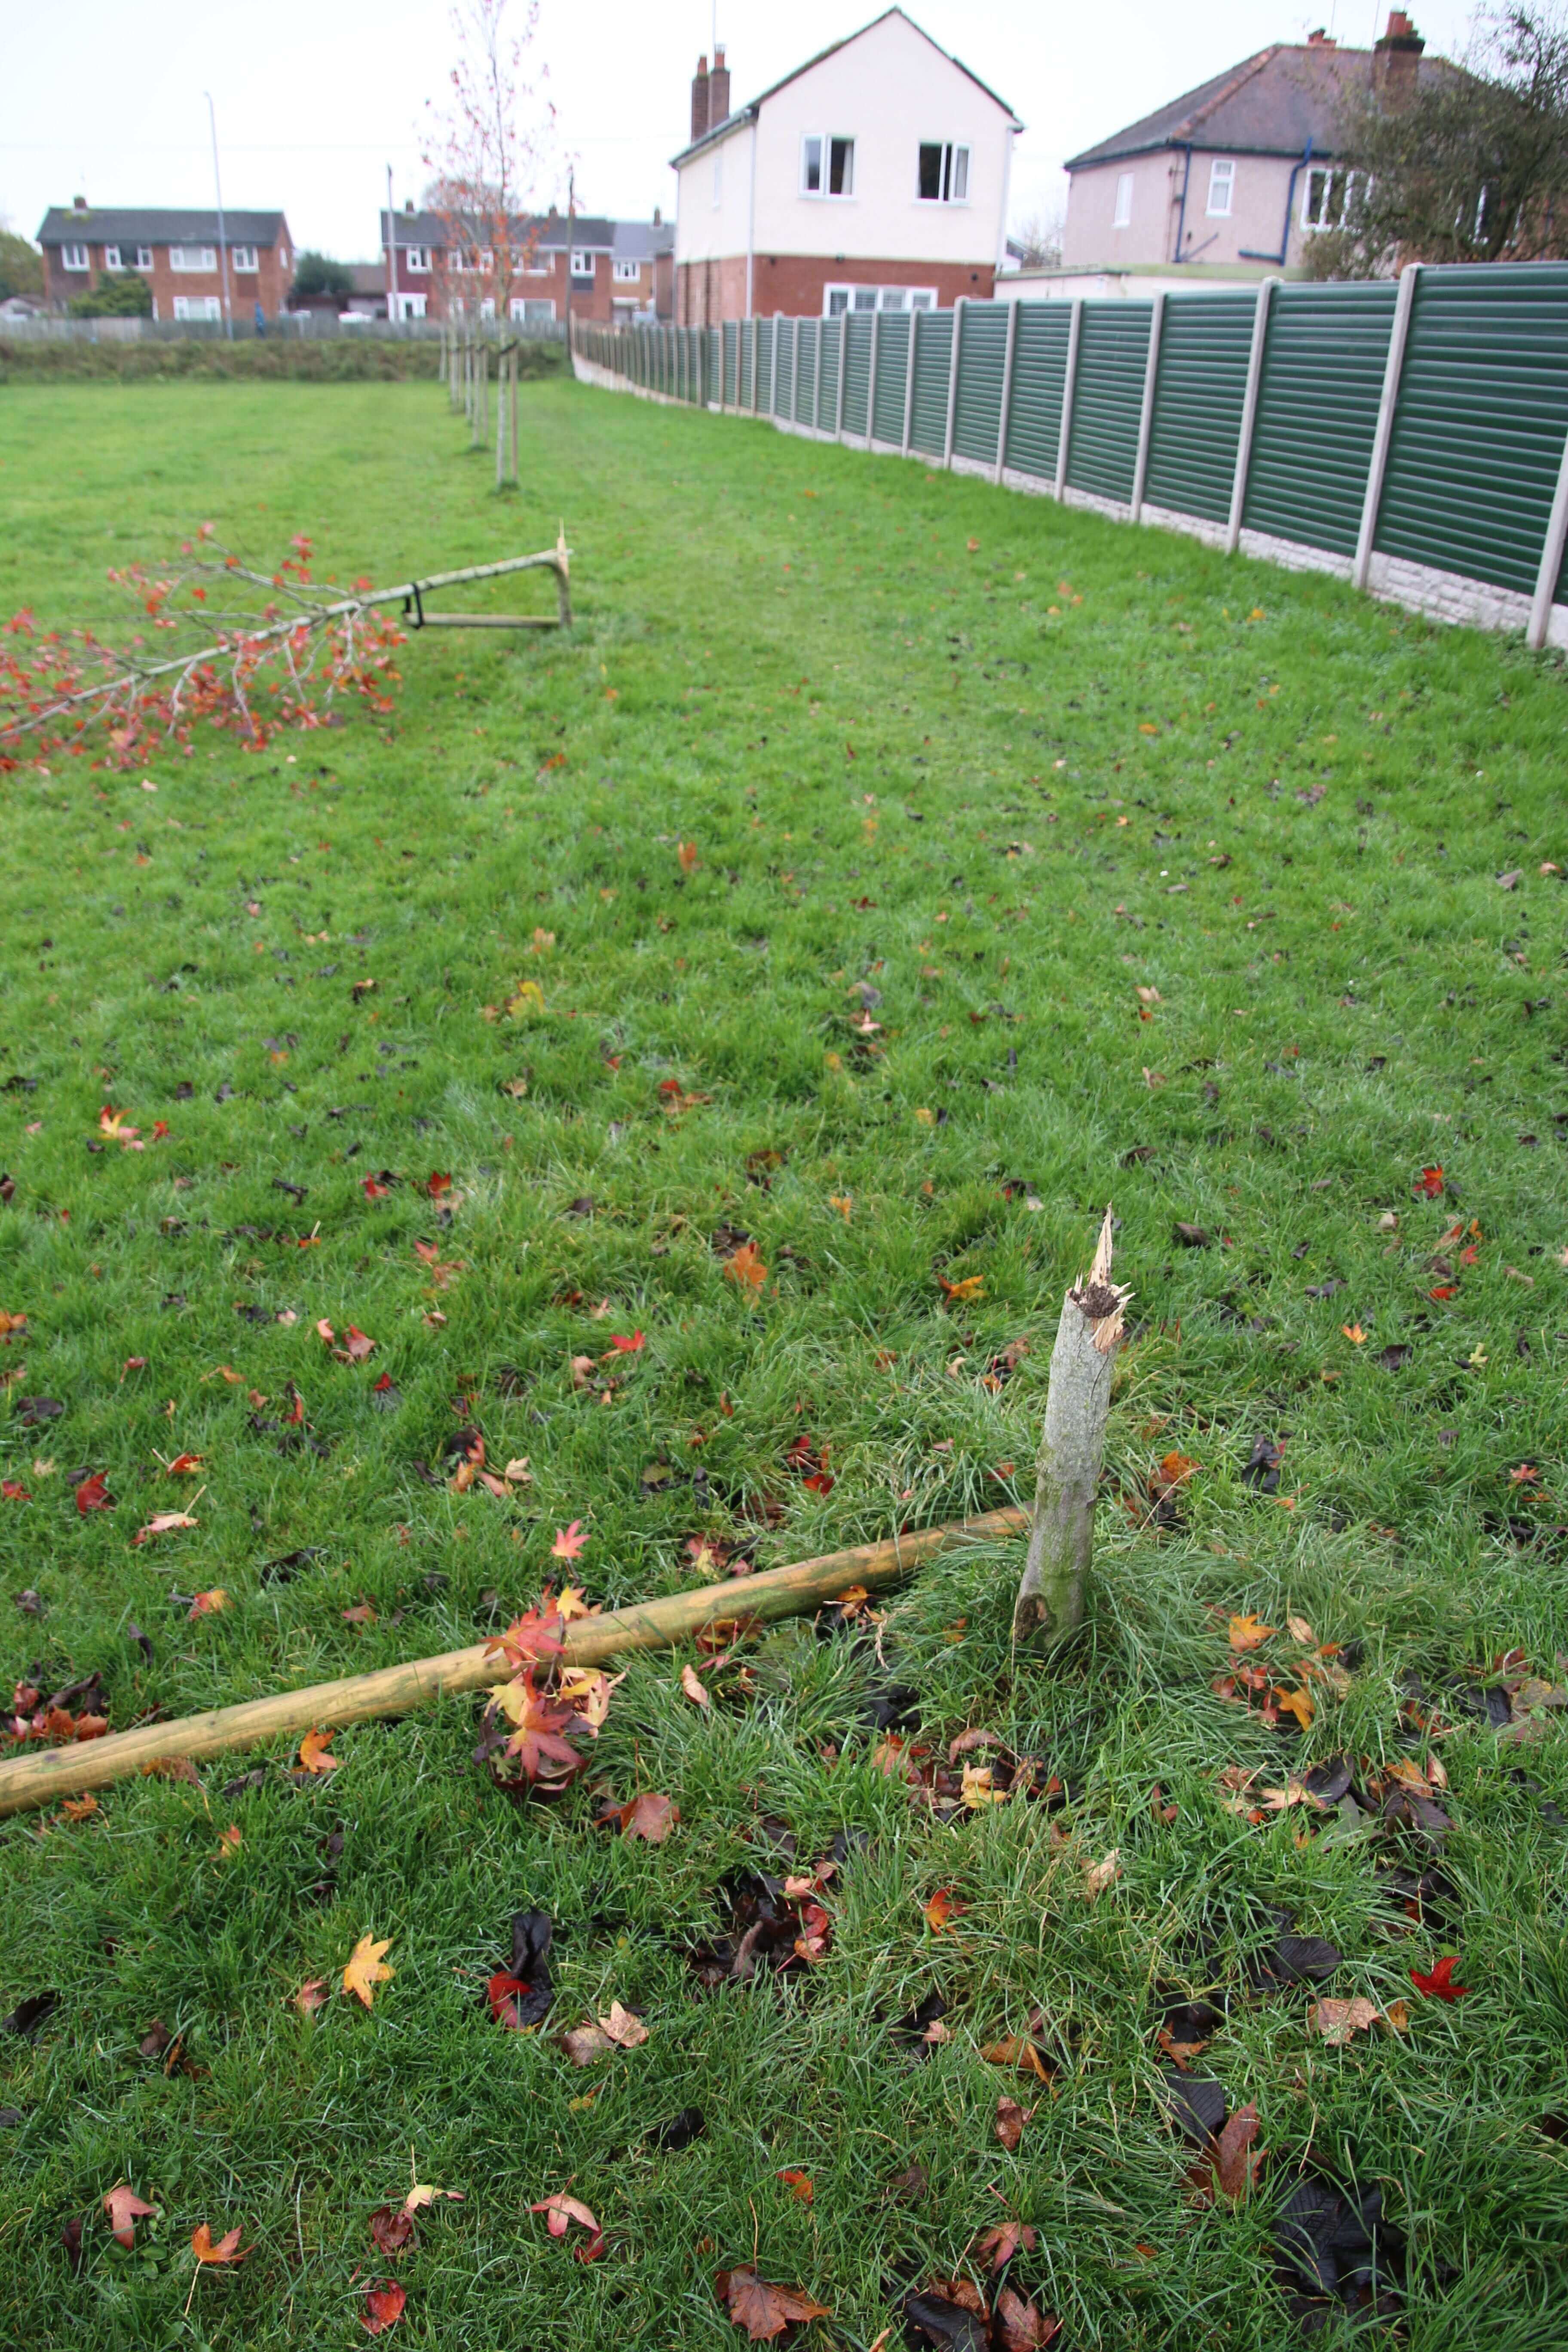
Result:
x=143 y=257
x=584 y=264
x=537 y=264
x=111 y=256
x=243 y=260
x=628 y=273
x=824 y=143
x=412 y=306
x=195 y=260
x=950 y=169
x=1333 y=201
x=921 y=298
x=201 y=308
x=1123 y=215
x=75 y=257
x=528 y=308
x=415 y=259
x=1222 y=187
x=487 y=307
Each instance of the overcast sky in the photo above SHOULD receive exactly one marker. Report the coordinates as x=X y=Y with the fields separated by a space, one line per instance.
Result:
x=315 y=97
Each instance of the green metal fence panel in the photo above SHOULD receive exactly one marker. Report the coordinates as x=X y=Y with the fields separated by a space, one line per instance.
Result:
x=928 y=405
x=1200 y=386
x=832 y=331
x=981 y=358
x=1039 y=373
x=715 y=363
x=731 y=361
x=784 y=366
x=1479 y=427
x=765 y=364
x=806 y=385
x=1317 y=395
x=857 y=370
x=743 y=363
x=1108 y=397
x=892 y=372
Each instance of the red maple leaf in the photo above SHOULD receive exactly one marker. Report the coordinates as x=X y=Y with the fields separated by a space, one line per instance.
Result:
x=631 y=1346
x=1430 y=1182
x=540 y=1726
x=437 y=1184
x=93 y=1495
x=1439 y=1984
x=569 y=1542
x=383 y=2306
x=501 y=1992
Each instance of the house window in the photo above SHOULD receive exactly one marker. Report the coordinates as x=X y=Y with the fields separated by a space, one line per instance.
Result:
x=582 y=265
x=863 y=298
x=192 y=257
x=826 y=165
x=73 y=257
x=922 y=298
x=143 y=257
x=416 y=260
x=111 y=256
x=1325 y=198
x=943 y=175
x=197 y=306
x=487 y=307
x=536 y=264
x=1123 y=212
x=1222 y=186
x=628 y=273
x=243 y=256
x=531 y=310
x=412 y=306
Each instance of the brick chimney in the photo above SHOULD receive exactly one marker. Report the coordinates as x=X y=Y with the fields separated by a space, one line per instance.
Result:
x=79 y=204
x=1396 y=58
x=699 y=101
x=717 y=90
x=1321 y=39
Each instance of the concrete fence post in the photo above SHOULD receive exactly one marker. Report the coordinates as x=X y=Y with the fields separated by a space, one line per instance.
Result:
x=1404 y=302
x=774 y=386
x=915 y=317
x=1006 y=408
x=952 y=380
x=1146 y=417
x=1070 y=387
x=1551 y=570
x=1249 y=413
x=871 y=379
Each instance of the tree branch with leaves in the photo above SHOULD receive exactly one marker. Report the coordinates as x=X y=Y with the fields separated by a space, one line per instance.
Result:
x=488 y=146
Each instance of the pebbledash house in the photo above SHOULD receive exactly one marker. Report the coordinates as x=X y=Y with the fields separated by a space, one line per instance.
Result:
x=192 y=267
x=874 y=177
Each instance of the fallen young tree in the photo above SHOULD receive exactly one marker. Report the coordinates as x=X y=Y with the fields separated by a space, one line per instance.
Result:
x=274 y=650
x=40 y=1776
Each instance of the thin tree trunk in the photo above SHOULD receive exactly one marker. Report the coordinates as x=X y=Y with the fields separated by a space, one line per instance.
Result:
x=1050 y=1602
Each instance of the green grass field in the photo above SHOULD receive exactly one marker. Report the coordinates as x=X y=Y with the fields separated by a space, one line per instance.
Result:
x=1161 y=878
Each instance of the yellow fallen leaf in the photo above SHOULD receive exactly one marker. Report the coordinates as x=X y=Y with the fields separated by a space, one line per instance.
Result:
x=1098 y=1875
x=1353 y=1333
x=365 y=1968
x=1247 y=1632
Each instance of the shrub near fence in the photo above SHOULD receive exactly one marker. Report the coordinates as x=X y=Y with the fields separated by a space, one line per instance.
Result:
x=1411 y=438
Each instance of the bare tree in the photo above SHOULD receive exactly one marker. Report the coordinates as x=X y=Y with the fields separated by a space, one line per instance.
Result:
x=1461 y=162
x=1036 y=241
x=487 y=148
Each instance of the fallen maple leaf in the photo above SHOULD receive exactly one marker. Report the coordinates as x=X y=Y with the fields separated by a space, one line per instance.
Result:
x=312 y=1995
x=383 y=2306
x=1010 y=2121
x=686 y=851
x=162 y=1523
x=1230 y=2162
x=93 y=1495
x=313 y=1756
x=357 y=1345
x=569 y=1542
x=745 y=1266
x=560 y=2211
x=227 y=2249
x=1353 y=1333
x=651 y=1816
x=942 y=1909
x=124 y=2210
x=627 y=1343
x=392 y=2230
x=183 y=1465
x=1004 y=2241
x=365 y=1969
x=583 y=2044
x=210 y=1603
x=1248 y=1632
x=1024 y=2326
x=972 y=1286
x=1339 y=2021
x=764 y=2311
x=623 y=2027
x=1439 y=1983
x=802 y=2183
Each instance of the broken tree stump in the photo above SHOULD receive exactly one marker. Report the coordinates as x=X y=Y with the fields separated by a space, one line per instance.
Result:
x=1050 y=1602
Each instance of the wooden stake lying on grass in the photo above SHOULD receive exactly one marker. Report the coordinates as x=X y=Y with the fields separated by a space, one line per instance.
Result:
x=1078 y=1399
x=39 y=1776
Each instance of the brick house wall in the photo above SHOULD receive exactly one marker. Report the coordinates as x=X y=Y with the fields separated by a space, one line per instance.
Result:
x=447 y=289
x=796 y=284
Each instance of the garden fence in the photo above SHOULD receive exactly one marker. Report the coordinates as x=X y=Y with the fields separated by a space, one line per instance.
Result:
x=1411 y=435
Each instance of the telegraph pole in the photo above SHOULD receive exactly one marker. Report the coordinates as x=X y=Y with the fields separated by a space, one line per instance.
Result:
x=222 y=238
x=391 y=253
x=571 y=207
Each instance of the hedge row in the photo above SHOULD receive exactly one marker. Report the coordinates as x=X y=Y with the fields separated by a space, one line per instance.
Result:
x=340 y=359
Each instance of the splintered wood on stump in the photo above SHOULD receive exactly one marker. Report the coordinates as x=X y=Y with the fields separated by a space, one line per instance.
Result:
x=1078 y=1401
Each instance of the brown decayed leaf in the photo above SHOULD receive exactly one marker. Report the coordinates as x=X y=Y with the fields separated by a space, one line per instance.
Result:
x=365 y=1969
x=1229 y=2165
x=1098 y=1875
x=226 y=2250
x=696 y=1690
x=651 y=1816
x=162 y=1523
x=312 y=1995
x=1015 y=2051
x=623 y=2027
x=1004 y=2241
x=1339 y=2021
x=583 y=2044
x=392 y=2230
x=1010 y=2121
x=764 y=2311
x=1024 y=2326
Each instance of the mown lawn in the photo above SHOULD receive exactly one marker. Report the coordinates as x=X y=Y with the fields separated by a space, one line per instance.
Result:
x=1037 y=864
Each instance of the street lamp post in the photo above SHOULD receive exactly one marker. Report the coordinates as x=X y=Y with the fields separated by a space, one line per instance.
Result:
x=222 y=238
